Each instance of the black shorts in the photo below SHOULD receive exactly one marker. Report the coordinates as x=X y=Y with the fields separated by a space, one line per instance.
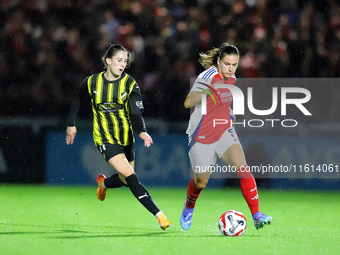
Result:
x=110 y=150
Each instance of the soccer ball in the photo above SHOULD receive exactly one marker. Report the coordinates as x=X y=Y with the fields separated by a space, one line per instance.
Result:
x=232 y=223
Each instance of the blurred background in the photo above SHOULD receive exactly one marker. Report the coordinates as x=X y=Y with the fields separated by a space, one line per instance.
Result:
x=47 y=47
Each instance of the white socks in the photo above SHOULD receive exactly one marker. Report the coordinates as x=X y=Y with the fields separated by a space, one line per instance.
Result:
x=159 y=213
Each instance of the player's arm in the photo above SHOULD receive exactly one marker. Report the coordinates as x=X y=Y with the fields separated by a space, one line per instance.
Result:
x=137 y=120
x=71 y=129
x=195 y=95
x=193 y=98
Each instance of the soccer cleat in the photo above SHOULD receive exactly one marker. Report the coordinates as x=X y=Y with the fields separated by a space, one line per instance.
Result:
x=260 y=219
x=186 y=216
x=101 y=192
x=163 y=221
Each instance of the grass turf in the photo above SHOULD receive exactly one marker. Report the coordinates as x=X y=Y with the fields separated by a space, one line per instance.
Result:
x=71 y=220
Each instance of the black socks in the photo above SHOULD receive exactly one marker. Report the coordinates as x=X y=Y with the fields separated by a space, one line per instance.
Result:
x=113 y=182
x=141 y=193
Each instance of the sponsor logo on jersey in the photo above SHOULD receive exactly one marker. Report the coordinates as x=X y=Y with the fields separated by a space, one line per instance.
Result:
x=109 y=107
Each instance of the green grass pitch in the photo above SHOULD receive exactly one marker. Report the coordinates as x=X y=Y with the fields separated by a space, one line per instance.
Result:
x=39 y=219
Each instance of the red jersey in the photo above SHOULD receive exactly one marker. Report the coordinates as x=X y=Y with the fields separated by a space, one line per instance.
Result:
x=201 y=126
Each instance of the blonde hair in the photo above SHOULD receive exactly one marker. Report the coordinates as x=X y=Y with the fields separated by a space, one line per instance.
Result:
x=210 y=57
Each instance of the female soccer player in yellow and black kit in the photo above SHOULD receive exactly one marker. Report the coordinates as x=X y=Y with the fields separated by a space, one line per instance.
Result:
x=117 y=111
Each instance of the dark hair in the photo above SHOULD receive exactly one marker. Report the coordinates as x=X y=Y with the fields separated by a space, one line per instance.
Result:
x=112 y=50
x=210 y=57
x=228 y=49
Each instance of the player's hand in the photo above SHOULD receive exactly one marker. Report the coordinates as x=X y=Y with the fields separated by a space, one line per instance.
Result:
x=70 y=134
x=147 y=138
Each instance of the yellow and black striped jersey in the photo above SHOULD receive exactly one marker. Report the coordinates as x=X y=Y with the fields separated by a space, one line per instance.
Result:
x=112 y=104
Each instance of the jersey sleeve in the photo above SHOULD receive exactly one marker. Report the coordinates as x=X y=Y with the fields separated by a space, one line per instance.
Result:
x=80 y=95
x=201 y=84
x=138 y=123
x=196 y=86
x=136 y=109
x=135 y=100
x=206 y=79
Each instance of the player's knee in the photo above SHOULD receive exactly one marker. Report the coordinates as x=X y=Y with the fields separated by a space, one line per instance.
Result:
x=201 y=184
x=239 y=164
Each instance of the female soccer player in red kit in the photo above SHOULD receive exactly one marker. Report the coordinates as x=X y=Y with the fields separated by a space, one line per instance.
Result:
x=207 y=141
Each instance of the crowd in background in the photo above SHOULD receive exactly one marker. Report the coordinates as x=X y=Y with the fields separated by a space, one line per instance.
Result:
x=47 y=47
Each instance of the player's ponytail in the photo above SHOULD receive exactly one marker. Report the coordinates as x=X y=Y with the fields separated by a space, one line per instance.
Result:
x=210 y=57
x=112 y=50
